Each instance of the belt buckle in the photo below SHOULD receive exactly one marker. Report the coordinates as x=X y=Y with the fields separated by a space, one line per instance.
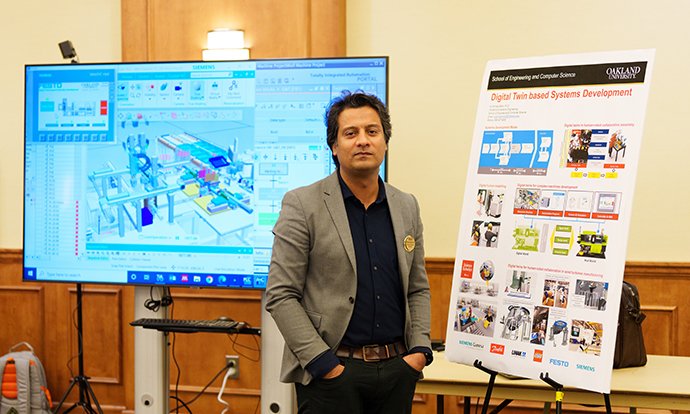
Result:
x=374 y=349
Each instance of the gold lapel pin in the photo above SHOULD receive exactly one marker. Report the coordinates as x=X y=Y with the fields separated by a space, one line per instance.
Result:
x=409 y=243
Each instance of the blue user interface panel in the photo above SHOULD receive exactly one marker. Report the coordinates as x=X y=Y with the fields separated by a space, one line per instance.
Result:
x=173 y=173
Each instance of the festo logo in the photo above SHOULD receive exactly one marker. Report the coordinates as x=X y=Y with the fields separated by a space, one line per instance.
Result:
x=497 y=349
x=559 y=362
x=623 y=72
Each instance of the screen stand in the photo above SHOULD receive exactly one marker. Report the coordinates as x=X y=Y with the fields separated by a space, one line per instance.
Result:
x=151 y=375
x=81 y=380
x=276 y=397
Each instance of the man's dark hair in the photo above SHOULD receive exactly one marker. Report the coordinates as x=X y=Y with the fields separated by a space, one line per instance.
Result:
x=348 y=100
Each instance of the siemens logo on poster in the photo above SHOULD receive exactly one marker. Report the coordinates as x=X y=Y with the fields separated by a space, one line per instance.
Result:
x=586 y=368
x=559 y=362
x=623 y=72
x=471 y=344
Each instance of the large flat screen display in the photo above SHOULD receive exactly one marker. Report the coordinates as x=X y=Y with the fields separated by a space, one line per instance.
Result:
x=173 y=173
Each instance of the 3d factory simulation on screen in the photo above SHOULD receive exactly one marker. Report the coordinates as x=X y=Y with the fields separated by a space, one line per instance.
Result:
x=173 y=173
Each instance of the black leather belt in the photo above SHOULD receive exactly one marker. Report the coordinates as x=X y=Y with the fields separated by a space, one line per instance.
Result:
x=372 y=353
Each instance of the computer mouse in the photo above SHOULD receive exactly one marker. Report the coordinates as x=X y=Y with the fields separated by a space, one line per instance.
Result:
x=224 y=318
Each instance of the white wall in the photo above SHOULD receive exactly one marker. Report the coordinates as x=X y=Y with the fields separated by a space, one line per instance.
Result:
x=30 y=33
x=438 y=51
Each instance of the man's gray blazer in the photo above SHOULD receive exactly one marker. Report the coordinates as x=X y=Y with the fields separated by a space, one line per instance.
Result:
x=312 y=280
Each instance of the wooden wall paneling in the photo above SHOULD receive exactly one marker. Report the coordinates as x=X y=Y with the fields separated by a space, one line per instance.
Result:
x=440 y=273
x=22 y=308
x=102 y=332
x=664 y=285
x=127 y=297
x=170 y=30
x=64 y=362
x=104 y=349
x=23 y=312
x=239 y=400
x=134 y=23
x=177 y=28
x=31 y=318
x=660 y=329
x=423 y=403
x=662 y=289
x=328 y=27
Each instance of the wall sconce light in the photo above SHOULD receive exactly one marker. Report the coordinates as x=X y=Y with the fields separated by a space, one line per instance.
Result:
x=225 y=44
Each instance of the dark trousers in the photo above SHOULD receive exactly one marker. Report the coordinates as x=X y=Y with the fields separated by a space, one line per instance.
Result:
x=385 y=387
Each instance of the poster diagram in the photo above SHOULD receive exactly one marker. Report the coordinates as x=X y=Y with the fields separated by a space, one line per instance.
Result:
x=590 y=294
x=516 y=322
x=515 y=152
x=586 y=337
x=490 y=202
x=485 y=233
x=475 y=316
x=545 y=217
x=594 y=149
x=519 y=284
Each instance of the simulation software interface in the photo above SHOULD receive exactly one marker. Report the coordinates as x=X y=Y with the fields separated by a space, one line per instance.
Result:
x=173 y=173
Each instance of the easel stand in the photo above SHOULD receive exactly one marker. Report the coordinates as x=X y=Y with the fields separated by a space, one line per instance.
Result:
x=85 y=390
x=489 y=390
x=559 y=395
x=559 y=391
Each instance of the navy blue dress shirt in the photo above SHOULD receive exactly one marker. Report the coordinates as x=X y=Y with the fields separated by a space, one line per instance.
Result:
x=379 y=309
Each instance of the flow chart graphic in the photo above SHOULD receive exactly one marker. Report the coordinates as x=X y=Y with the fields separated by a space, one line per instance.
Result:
x=515 y=152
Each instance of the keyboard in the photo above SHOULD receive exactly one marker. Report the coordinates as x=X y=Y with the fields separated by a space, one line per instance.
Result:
x=191 y=325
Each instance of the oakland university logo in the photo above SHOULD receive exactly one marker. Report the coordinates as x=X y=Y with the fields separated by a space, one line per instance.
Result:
x=623 y=72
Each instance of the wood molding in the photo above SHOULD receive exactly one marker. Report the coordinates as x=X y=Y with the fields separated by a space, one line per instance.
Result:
x=440 y=265
x=232 y=294
x=174 y=30
x=659 y=269
x=10 y=256
x=444 y=266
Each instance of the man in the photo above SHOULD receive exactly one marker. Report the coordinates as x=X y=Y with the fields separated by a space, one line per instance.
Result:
x=347 y=285
x=489 y=235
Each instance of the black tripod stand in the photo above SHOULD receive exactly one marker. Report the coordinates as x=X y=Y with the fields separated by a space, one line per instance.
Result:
x=85 y=390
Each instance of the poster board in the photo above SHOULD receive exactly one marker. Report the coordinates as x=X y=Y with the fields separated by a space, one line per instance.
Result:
x=546 y=213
